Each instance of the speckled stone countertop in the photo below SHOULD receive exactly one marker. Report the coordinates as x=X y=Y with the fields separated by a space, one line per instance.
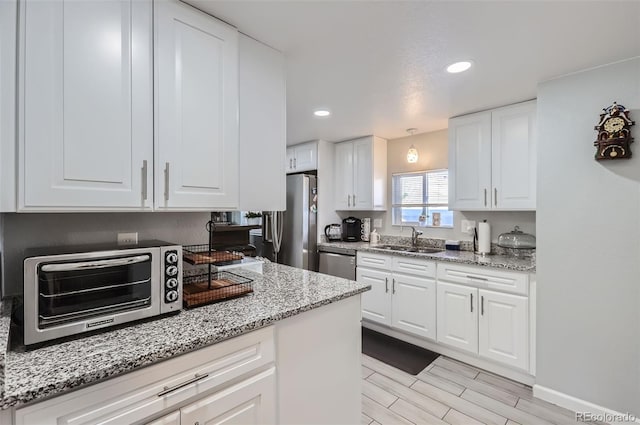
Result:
x=524 y=264
x=279 y=293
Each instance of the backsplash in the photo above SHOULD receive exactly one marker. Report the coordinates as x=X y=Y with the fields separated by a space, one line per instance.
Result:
x=21 y=231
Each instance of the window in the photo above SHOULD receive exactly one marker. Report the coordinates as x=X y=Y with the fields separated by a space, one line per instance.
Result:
x=415 y=197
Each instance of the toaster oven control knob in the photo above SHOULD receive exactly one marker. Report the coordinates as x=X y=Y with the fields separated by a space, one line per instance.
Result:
x=171 y=296
x=172 y=258
x=172 y=270
x=172 y=283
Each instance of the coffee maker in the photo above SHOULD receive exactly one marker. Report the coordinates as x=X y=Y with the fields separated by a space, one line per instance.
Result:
x=351 y=229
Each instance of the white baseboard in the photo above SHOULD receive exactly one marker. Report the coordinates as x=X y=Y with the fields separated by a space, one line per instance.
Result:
x=578 y=405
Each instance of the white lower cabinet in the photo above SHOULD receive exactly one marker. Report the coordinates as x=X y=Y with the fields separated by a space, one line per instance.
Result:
x=400 y=300
x=376 y=303
x=504 y=328
x=411 y=298
x=172 y=418
x=492 y=324
x=252 y=401
x=457 y=316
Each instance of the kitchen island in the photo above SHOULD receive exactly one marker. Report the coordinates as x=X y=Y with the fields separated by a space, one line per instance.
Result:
x=308 y=318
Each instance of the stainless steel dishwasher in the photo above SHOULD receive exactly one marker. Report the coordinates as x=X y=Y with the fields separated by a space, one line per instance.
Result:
x=340 y=265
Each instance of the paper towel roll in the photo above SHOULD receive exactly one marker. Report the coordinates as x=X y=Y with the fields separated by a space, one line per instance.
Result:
x=484 y=238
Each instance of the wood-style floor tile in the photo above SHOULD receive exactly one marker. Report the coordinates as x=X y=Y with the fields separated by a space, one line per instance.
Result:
x=456 y=418
x=443 y=384
x=366 y=372
x=502 y=409
x=456 y=366
x=389 y=371
x=377 y=394
x=407 y=394
x=415 y=414
x=381 y=414
x=479 y=386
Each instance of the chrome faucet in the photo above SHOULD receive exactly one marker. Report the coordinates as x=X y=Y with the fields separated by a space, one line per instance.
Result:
x=414 y=236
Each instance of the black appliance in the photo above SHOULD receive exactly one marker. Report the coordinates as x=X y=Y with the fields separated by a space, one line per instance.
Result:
x=351 y=229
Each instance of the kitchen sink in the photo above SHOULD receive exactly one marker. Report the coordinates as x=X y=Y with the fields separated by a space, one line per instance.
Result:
x=405 y=248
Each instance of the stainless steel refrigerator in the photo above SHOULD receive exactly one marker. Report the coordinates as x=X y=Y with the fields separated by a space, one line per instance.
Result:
x=296 y=226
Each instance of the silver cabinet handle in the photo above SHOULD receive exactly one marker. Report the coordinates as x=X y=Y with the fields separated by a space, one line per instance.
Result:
x=98 y=264
x=495 y=196
x=477 y=278
x=393 y=286
x=291 y=163
x=166 y=181
x=144 y=180
x=349 y=200
x=485 y=197
x=471 y=302
x=386 y=285
x=295 y=162
x=354 y=200
x=167 y=390
x=482 y=305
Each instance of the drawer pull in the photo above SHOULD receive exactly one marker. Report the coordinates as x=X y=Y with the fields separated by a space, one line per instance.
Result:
x=196 y=378
x=477 y=278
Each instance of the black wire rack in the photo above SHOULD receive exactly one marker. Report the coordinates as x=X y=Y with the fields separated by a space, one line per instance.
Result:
x=203 y=288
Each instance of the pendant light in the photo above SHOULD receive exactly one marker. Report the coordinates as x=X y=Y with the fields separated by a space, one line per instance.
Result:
x=412 y=153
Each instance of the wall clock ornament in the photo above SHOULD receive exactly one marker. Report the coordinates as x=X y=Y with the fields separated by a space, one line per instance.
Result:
x=614 y=133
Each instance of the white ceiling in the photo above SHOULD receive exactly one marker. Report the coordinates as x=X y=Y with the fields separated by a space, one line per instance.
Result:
x=379 y=66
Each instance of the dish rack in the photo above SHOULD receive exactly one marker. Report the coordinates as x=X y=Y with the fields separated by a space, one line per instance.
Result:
x=212 y=285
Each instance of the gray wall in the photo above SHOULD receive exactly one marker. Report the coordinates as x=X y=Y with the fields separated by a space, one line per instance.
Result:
x=22 y=231
x=588 y=233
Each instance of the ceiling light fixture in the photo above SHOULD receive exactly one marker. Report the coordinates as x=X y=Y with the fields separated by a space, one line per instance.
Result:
x=412 y=153
x=454 y=68
x=321 y=112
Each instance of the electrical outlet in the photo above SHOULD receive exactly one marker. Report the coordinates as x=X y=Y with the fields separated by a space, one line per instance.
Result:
x=467 y=226
x=377 y=222
x=128 y=238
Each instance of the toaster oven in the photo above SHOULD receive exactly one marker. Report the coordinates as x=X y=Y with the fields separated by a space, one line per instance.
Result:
x=71 y=290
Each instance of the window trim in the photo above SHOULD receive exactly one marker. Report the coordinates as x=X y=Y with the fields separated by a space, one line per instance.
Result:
x=425 y=206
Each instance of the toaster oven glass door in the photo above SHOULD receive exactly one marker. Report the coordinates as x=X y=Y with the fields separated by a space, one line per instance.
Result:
x=76 y=290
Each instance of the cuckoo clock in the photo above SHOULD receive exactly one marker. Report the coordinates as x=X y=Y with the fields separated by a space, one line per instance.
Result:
x=614 y=133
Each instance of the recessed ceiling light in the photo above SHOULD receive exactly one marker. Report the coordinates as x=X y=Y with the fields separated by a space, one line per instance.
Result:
x=321 y=113
x=454 y=68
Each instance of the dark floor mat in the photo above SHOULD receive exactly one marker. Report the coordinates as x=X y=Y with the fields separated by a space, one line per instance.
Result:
x=402 y=355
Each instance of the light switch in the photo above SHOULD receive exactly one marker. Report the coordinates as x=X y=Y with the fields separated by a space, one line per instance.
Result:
x=467 y=226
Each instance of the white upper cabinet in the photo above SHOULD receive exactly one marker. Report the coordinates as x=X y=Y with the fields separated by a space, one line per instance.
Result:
x=86 y=139
x=302 y=157
x=263 y=129
x=513 y=157
x=492 y=159
x=8 y=45
x=361 y=174
x=196 y=104
x=470 y=162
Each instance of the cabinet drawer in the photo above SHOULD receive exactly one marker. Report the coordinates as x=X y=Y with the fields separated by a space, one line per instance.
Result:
x=485 y=278
x=376 y=261
x=142 y=394
x=415 y=266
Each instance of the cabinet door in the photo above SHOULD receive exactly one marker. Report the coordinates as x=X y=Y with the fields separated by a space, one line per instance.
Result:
x=263 y=131
x=306 y=157
x=8 y=45
x=458 y=316
x=86 y=93
x=513 y=144
x=252 y=401
x=343 y=183
x=470 y=162
x=291 y=154
x=376 y=303
x=196 y=65
x=363 y=174
x=414 y=305
x=504 y=328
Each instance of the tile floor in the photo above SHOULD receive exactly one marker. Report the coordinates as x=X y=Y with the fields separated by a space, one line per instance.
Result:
x=450 y=392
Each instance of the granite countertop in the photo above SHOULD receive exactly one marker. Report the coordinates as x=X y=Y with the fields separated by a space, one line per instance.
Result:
x=524 y=264
x=280 y=292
